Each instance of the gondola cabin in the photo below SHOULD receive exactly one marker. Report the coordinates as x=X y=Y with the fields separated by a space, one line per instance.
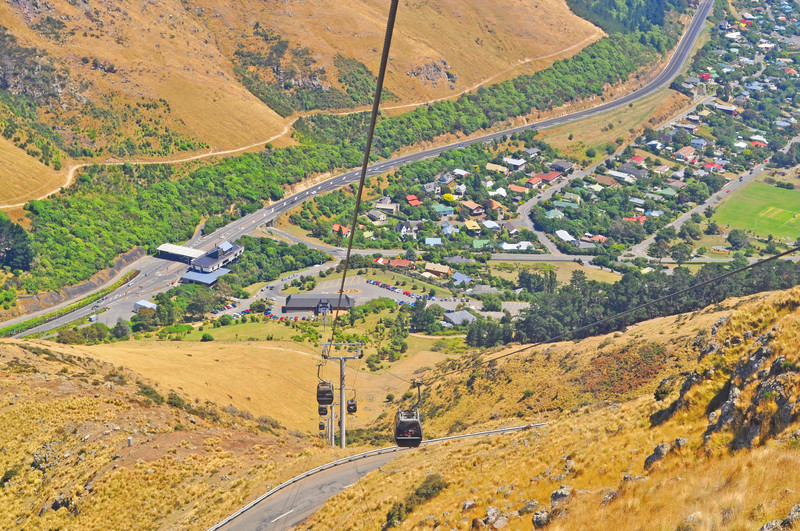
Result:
x=322 y=410
x=352 y=406
x=325 y=393
x=407 y=428
x=321 y=426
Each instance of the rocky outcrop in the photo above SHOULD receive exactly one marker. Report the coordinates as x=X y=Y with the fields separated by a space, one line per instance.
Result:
x=529 y=507
x=658 y=454
x=561 y=496
x=540 y=518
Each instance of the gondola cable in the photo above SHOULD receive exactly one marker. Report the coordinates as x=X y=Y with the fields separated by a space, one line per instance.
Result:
x=367 y=149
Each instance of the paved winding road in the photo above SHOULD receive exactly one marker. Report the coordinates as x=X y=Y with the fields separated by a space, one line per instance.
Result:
x=159 y=275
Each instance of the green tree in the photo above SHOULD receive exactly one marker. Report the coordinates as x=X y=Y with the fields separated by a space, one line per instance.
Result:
x=121 y=329
x=680 y=252
x=738 y=239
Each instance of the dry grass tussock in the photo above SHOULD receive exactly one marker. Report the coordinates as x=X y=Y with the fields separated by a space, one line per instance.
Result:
x=599 y=450
x=66 y=463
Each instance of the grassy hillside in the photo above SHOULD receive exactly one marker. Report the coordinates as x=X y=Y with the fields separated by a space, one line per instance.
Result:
x=720 y=386
x=66 y=462
x=728 y=386
x=150 y=80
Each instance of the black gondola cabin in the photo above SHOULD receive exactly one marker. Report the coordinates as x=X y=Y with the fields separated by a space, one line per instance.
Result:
x=325 y=393
x=407 y=428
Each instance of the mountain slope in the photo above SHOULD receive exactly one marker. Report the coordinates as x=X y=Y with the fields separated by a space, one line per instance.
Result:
x=719 y=450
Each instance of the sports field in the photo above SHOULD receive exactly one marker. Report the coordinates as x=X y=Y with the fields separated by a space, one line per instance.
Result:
x=764 y=209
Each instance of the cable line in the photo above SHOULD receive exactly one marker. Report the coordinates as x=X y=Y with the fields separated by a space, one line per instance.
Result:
x=370 y=133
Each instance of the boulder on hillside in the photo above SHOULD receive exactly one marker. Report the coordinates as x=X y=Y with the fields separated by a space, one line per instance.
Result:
x=529 y=507
x=658 y=454
x=540 y=518
x=492 y=514
x=500 y=523
x=681 y=442
x=561 y=496
x=793 y=520
x=469 y=504
x=477 y=523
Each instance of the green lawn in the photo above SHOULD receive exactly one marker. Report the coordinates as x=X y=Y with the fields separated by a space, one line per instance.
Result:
x=764 y=209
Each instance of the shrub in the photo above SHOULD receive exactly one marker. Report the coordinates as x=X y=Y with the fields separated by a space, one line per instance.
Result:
x=207 y=337
x=150 y=393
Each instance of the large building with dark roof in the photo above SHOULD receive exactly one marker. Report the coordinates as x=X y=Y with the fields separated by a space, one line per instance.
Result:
x=318 y=303
x=220 y=256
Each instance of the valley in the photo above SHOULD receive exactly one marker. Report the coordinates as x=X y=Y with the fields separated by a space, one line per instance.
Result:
x=573 y=275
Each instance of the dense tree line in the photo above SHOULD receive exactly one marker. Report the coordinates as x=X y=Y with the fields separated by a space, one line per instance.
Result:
x=625 y=15
x=16 y=252
x=582 y=302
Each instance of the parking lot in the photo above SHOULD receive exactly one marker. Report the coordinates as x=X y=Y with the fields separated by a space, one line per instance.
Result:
x=362 y=290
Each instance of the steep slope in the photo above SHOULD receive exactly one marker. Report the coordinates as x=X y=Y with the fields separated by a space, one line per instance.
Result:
x=718 y=450
x=86 y=445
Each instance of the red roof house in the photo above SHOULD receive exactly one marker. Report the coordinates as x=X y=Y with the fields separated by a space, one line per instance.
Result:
x=413 y=200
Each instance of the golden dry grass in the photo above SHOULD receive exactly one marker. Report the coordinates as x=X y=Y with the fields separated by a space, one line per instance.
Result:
x=266 y=378
x=593 y=132
x=65 y=431
x=592 y=448
x=24 y=177
x=563 y=270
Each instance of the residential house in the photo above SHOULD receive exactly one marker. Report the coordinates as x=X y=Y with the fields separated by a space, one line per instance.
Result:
x=511 y=228
x=638 y=160
x=636 y=201
x=445 y=180
x=413 y=200
x=492 y=225
x=341 y=229
x=633 y=171
x=533 y=153
x=625 y=177
x=472 y=226
x=554 y=214
x=599 y=238
x=432 y=189
x=585 y=246
x=449 y=228
x=515 y=164
x=500 y=191
x=605 y=180
x=565 y=204
x=458 y=172
x=727 y=109
x=459 y=260
x=377 y=217
x=573 y=197
x=565 y=236
x=698 y=143
x=461 y=278
x=438 y=270
x=443 y=210
x=385 y=203
x=496 y=168
x=758 y=144
x=433 y=242
x=655 y=145
x=517 y=189
x=521 y=246
x=551 y=177
x=595 y=188
x=460 y=190
x=474 y=208
x=561 y=165
x=459 y=318
x=405 y=228
x=497 y=207
x=400 y=262
x=535 y=182
x=685 y=154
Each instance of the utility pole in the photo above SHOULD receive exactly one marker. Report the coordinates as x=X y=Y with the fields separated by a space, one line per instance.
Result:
x=355 y=349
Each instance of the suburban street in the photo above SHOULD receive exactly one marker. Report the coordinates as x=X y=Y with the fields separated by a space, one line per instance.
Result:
x=157 y=275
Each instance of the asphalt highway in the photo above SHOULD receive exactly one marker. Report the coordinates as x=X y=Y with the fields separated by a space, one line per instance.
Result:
x=159 y=275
